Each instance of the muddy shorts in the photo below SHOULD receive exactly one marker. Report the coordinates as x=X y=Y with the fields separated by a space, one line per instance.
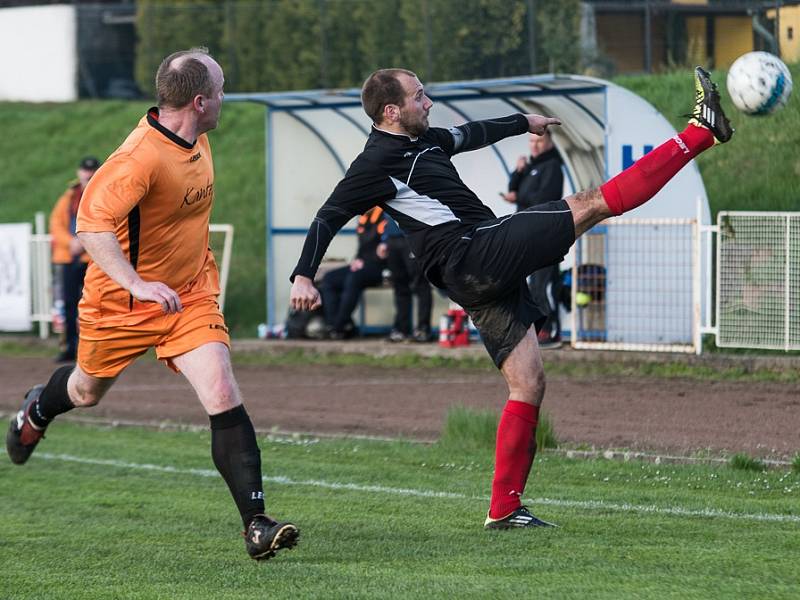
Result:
x=486 y=273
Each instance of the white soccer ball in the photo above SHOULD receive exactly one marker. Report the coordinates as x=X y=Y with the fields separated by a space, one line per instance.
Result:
x=759 y=83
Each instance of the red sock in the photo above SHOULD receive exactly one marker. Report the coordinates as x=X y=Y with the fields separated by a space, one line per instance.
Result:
x=516 y=447
x=642 y=180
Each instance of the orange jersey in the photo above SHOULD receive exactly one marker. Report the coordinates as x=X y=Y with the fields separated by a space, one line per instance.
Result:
x=61 y=226
x=155 y=193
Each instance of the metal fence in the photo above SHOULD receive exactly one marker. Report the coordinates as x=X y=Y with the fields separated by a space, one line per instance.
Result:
x=636 y=286
x=758 y=280
x=46 y=308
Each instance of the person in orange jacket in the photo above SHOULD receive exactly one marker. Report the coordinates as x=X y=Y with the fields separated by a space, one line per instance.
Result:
x=69 y=253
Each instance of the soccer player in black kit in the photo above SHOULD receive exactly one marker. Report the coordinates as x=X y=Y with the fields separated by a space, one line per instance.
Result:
x=480 y=260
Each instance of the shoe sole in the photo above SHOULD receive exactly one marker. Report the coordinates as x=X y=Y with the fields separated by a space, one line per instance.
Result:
x=503 y=524
x=285 y=539
x=504 y=527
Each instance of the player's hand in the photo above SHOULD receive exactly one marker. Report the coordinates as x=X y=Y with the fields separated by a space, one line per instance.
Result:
x=510 y=197
x=356 y=265
x=155 y=291
x=304 y=296
x=382 y=250
x=522 y=162
x=538 y=124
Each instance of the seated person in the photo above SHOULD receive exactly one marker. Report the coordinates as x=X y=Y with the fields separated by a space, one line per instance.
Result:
x=407 y=279
x=341 y=288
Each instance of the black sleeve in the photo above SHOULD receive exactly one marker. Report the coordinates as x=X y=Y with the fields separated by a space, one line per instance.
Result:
x=552 y=182
x=516 y=179
x=479 y=134
x=363 y=187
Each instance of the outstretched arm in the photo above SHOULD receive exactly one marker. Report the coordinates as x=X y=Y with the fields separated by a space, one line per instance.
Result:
x=329 y=220
x=479 y=134
x=363 y=187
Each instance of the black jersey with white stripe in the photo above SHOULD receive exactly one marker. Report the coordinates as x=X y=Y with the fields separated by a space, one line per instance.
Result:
x=414 y=181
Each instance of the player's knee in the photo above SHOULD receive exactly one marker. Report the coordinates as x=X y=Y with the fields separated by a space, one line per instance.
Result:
x=86 y=398
x=222 y=396
x=531 y=388
x=83 y=391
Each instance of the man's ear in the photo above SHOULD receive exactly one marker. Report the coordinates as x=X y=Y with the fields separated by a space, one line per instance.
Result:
x=391 y=113
x=199 y=103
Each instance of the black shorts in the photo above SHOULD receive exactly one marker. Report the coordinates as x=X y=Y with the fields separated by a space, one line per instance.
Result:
x=486 y=272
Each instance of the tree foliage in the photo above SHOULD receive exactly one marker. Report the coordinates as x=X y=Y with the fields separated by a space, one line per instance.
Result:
x=302 y=44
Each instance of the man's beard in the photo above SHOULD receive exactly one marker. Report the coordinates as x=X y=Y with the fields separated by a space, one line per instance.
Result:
x=414 y=128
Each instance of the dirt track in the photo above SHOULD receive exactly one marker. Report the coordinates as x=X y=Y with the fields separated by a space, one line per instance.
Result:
x=607 y=412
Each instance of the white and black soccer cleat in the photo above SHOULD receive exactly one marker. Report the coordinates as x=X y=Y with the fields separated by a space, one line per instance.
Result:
x=521 y=517
x=707 y=111
x=264 y=537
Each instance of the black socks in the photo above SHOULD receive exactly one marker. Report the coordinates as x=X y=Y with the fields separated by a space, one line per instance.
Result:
x=238 y=459
x=54 y=399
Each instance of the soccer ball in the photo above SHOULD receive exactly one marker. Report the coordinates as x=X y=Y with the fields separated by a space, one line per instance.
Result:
x=759 y=83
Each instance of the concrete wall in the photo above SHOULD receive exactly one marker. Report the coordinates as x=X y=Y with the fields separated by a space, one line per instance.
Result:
x=39 y=50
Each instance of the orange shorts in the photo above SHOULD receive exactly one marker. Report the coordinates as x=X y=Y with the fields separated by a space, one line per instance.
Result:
x=106 y=351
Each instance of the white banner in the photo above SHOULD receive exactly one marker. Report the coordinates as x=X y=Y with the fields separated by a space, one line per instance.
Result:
x=15 y=278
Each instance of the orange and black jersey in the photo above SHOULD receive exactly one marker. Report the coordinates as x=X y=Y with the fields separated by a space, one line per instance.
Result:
x=415 y=182
x=155 y=193
x=63 y=223
x=370 y=229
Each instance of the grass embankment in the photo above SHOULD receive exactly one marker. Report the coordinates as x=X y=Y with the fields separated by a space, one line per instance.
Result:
x=759 y=168
x=43 y=142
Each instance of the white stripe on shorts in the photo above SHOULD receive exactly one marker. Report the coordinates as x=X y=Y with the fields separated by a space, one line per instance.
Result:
x=522 y=212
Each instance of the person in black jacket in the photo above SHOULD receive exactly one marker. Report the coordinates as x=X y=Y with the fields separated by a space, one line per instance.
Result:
x=536 y=180
x=481 y=260
x=407 y=280
x=341 y=288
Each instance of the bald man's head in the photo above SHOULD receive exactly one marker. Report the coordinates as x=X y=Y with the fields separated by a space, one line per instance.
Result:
x=182 y=76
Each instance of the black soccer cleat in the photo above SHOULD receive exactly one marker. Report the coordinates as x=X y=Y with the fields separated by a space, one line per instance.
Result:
x=521 y=517
x=707 y=111
x=264 y=537
x=22 y=436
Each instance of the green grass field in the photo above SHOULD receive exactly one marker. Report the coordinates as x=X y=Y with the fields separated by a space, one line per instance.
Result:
x=136 y=513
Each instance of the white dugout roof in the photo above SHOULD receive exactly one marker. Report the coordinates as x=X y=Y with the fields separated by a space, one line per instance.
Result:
x=313 y=136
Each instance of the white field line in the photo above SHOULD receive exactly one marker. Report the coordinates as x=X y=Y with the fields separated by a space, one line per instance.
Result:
x=590 y=505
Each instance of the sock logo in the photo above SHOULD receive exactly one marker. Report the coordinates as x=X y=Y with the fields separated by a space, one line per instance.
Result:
x=677 y=139
x=256 y=495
